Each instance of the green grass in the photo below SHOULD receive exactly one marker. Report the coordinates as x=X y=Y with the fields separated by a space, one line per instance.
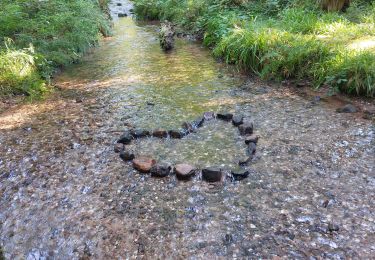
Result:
x=282 y=39
x=44 y=36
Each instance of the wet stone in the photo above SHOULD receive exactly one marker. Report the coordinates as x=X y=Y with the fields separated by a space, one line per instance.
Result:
x=246 y=128
x=176 y=134
x=127 y=155
x=332 y=227
x=349 y=108
x=245 y=161
x=126 y=138
x=143 y=164
x=251 y=139
x=160 y=133
x=225 y=116
x=251 y=149
x=212 y=174
x=187 y=127
x=237 y=120
x=141 y=133
x=161 y=170
x=118 y=147
x=209 y=116
x=184 y=171
x=198 y=122
x=122 y=15
x=240 y=174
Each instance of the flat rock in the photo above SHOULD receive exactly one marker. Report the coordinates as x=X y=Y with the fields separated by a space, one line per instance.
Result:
x=127 y=155
x=141 y=133
x=208 y=116
x=246 y=128
x=212 y=174
x=184 y=171
x=126 y=138
x=237 y=120
x=176 y=134
x=143 y=164
x=225 y=116
x=251 y=139
x=160 y=133
x=240 y=174
x=161 y=170
x=349 y=108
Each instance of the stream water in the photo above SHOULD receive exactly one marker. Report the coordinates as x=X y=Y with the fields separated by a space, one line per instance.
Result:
x=65 y=194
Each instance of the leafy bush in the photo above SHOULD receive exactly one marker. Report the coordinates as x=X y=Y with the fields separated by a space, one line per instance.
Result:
x=59 y=31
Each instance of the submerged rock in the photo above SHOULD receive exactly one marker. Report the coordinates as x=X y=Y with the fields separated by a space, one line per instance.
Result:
x=143 y=164
x=237 y=120
x=212 y=174
x=127 y=155
x=240 y=175
x=141 y=133
x=349 y=108
x=160 y=133
x=198 y=122
x=251 y=149
x=225 y=116
x=161 y=170
x=176 y=134
x=246 y=128
x=187 y=127
x=126 y=138
x=184 y=171
x=118 y=147
x=245 y=161
x=208 y=116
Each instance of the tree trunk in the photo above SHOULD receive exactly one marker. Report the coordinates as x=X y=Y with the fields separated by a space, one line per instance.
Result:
x=335 y=5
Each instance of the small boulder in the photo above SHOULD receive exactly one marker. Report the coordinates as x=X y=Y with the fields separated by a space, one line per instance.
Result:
x=143 y=164
x=188 y=128
x=184 y=171
x=246 y=128
x=141 y=133
x=251 y=149
x=126 y=138
x=251 y=139
x=240 y=175
x=225 y=116
x=161 y=170
x=212 y=174
x=126 y=156
x=176 y=134
x=122 y=15
x=160 y=133
x=349 y=108
x=237 y=120
x=245 y=161
x=209 y=116
x=118 y=147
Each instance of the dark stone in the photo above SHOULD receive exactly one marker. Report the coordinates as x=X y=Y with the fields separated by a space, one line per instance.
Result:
x=119 y=4
x=160 y=133
x=126 y=138
x=251 y=149
x=237 y=120
x=212 y=174
x=246 y=128
x=184 y=171
x=369 y=114
x=122 y=15
x=161 y=170
x=176 y=134
x=349 y=108
x=252 y=139
x=188 y=128
x=198 y=122
x=126 y=155
x=118 y=147
x=166 y=36
x=140 y=133
x=209 y=116
x=143 y=164
x=333 y=227
x=240 y=175
x=225 y=116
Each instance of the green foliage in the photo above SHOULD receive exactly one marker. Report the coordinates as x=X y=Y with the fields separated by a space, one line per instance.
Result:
x=283 y=38
x=59 y=31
